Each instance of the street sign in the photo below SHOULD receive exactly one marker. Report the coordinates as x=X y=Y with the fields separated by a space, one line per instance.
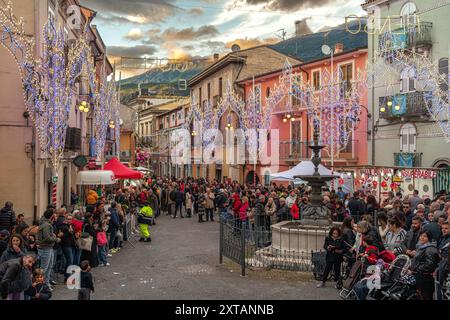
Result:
x=55 y=180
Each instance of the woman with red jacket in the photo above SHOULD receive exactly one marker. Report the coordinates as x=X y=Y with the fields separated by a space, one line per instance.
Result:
x=295 y=210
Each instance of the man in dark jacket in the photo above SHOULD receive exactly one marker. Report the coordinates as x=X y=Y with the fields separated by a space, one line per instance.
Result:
x=7 y=217
x=10 y=272
x=179 y=199
x=412 y=237
x=443 y=247
x=46 y=239
x=114 y=226
x=356 y=207
x=434 y=228
x=284 y=213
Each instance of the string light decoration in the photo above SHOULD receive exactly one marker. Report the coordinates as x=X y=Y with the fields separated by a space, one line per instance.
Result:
x=334 y=95
x=231 y=102
x=393 y=61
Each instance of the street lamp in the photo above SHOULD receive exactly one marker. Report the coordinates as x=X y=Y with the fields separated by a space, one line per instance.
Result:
x=326 y=50
x=84 y=107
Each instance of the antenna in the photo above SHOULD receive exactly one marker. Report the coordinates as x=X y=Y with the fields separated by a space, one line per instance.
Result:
x=283 y=34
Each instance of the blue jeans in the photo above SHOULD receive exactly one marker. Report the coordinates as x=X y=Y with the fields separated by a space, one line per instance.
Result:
x=46 y=260
x=112 y=239
x=361 y=289
x=178 y=206
x=102 y=254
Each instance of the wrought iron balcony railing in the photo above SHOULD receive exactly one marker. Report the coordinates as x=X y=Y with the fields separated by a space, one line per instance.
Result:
x=407 y=105
x=299 y=150
x=410 y=36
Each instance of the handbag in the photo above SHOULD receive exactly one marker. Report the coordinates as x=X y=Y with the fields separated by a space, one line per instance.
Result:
x=85 y=241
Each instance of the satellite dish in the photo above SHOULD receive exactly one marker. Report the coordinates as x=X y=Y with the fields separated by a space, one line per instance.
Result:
x=326 y=50
x=235 y=47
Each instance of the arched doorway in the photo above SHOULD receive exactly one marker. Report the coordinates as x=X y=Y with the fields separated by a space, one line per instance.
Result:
x=442 y=181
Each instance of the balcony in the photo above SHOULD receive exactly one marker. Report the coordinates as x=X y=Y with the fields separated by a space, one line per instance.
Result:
x=73 y=139
x=413 y=36
x=295 y=151
x=404 y=105
x=408 y=160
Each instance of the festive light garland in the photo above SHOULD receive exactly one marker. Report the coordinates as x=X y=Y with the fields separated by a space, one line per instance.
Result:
x=391 y=60
x=48 y=82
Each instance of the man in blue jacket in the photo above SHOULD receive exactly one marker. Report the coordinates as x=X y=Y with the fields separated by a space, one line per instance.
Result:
x=114 y=226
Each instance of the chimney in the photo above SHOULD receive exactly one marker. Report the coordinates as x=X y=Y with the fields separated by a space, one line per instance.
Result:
x=301 y=28
x=216 y=57
x=338 y=48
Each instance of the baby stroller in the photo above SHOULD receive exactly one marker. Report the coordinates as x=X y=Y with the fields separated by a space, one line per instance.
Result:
x=392 y=278
x=356 y=274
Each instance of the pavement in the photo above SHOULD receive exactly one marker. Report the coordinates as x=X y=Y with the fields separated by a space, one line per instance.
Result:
x=182 y=263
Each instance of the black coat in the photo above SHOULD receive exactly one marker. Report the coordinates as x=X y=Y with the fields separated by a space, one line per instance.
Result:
x=410 y=241
x=92 y=256
x=7 y=219
x=42 y=289
x=284 y=214
x=435 y=230
x=426 y=260
x=378 y=242
x=348 y=239
x=356 y=207
x=334 y=254
x=11 y=273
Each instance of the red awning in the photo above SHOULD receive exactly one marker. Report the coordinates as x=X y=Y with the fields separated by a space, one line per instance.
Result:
x=121 y=171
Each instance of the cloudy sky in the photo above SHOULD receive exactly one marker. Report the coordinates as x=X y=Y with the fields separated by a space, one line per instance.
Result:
x=200 y=28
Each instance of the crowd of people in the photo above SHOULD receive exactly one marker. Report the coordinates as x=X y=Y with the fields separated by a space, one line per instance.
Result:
x=400 y=224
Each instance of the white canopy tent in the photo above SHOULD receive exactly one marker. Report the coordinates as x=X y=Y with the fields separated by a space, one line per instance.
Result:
x=304 y=168
x=142 y=169
x=307 y=168
x=97 y=177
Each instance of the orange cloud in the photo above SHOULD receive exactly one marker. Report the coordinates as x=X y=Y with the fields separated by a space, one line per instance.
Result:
x=250 y=42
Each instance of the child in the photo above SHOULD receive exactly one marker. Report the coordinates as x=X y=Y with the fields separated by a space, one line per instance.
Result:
x=371 y=252
x=86 y=282
x=38 y=290
x=333 y=246
x=102 y=241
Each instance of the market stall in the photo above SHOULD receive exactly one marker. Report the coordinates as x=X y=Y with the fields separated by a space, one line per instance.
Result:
x=121 y=171
x=92 y=179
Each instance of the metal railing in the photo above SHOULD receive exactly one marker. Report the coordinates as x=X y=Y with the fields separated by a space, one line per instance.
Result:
x=295 y=151
x=257 y=246
x=411 y=36
x=409 y=105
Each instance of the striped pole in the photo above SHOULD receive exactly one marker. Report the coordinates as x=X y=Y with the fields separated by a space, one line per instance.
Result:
x=54 y=193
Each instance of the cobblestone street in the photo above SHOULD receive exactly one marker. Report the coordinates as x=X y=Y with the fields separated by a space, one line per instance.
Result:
x=182 y=262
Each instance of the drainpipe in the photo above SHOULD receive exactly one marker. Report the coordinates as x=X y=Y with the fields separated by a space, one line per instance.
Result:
x=307 y=115
x=373 y=103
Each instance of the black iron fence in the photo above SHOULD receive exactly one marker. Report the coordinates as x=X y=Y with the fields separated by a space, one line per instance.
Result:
x=285 y=246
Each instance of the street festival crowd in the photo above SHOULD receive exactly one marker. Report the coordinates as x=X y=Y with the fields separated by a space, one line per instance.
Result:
x=33 y=256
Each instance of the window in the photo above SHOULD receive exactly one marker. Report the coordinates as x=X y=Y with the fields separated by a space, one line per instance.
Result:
x=209 y=91
x=408 y=14
x=347 y=76
x=200 y=98
x=220 y=87
x=408 y=80
x=268 y=92
x=316 y=80
x=443 y=71
x=408 y=135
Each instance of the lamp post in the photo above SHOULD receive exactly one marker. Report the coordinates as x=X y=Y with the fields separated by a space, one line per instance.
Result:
x=326 y=50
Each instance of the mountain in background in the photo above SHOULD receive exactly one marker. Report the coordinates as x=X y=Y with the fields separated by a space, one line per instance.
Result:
x=162 y=83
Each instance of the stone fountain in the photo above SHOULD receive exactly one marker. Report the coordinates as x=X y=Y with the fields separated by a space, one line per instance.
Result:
x=293 y=241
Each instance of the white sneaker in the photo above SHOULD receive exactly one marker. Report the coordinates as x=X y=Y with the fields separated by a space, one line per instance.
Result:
x=109 y=255
x=107 y=264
